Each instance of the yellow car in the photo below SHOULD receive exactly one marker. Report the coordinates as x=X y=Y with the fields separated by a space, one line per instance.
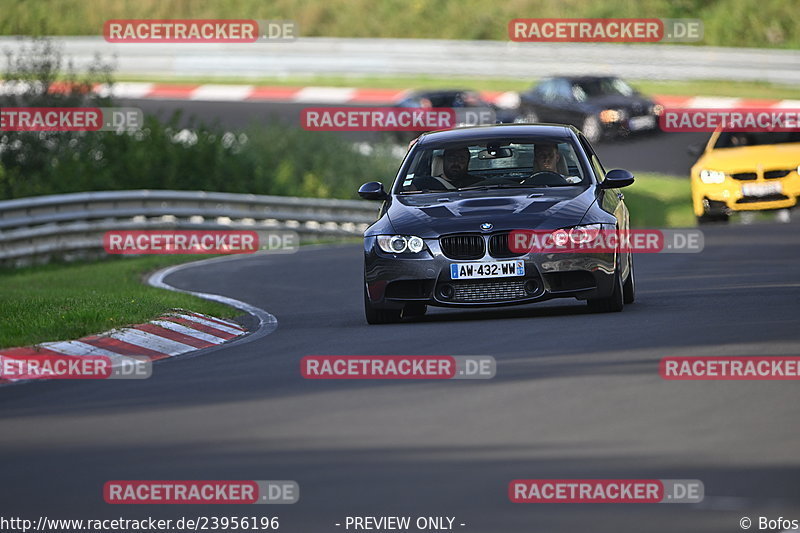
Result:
x=746 y=172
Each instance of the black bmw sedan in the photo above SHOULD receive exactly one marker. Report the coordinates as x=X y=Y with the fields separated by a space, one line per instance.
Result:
x=442 y=237
x=598 y=105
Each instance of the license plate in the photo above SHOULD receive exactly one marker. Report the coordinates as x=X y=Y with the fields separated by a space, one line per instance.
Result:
x=647 y=122
x=488 y=269
x=761 y=189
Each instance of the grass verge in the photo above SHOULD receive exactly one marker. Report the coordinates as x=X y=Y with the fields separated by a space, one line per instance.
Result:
x=659 y=201
x=68 y=301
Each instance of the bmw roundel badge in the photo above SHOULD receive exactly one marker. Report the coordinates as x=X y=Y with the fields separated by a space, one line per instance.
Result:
x=486 y=226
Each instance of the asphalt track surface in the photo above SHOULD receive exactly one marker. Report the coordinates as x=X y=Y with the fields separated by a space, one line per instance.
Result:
x=577 y=395
x=663 y=152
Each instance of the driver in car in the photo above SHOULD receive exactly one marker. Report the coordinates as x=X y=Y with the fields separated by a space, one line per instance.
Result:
x=455 y=162
x=545 y=158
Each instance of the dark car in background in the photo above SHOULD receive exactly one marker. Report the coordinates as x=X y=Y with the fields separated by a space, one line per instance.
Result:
x=442 y=244
x=461 y=100
x=597 y=105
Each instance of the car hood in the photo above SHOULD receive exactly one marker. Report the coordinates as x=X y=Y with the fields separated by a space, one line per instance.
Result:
x=747 y=158
x=432 y=215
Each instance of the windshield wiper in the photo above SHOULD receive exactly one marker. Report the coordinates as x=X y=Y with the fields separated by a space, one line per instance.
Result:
x=499 y=186
x=423 y=191
x=491 y=186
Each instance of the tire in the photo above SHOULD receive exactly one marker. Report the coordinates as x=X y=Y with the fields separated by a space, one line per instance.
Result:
x=629 y=287
x=613 y=303
x=592 y=129
x=706 y=218
x=379 y=316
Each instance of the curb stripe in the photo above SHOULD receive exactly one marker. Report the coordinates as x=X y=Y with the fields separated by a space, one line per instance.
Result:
x=214 y=324
x=228 y=323
x=79 y=349
x=213 y=330
x=173 y=335
x=188 y=332
x=354 y=95
x=122 y=347
x=170 y=335
x=153 y=342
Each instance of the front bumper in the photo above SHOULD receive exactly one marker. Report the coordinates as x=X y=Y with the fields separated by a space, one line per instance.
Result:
x=729 y=196
x=394 y=280
x=631 y=125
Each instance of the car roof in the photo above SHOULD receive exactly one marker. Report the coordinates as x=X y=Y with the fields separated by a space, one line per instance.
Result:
x=499 y=131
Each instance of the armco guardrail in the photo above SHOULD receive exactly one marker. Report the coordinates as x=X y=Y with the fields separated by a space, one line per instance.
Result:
x=72 y=225
x=400 y=57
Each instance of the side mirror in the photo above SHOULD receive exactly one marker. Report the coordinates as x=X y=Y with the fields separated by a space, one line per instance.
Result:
x=695 y=150
x=373 y=191
x=616 y=179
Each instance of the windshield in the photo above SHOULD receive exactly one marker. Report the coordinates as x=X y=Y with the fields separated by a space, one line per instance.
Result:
x=492 y=164
x=601 y=87
x=732 y=139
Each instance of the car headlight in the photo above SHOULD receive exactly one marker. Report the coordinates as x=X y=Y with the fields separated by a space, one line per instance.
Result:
x=576 y=234
x=584 y=234
x=397 y=244
x=712 y=176
x=612 y=115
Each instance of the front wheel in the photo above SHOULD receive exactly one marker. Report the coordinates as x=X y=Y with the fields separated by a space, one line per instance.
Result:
x=375 y=315
x=629 y=287
x=613 y=303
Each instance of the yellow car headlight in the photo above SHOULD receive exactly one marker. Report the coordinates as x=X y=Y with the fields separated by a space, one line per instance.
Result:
x=712 y=176
x=610 y=115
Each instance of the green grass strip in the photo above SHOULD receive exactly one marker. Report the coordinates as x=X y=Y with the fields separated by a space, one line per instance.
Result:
x=659 y=201
x=67 y=301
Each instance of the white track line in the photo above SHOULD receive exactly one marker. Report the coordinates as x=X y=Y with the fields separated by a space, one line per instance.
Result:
x=267 y=323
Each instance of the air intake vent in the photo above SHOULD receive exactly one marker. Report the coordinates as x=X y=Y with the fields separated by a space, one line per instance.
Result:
x=462 y=246
x=498 y=246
